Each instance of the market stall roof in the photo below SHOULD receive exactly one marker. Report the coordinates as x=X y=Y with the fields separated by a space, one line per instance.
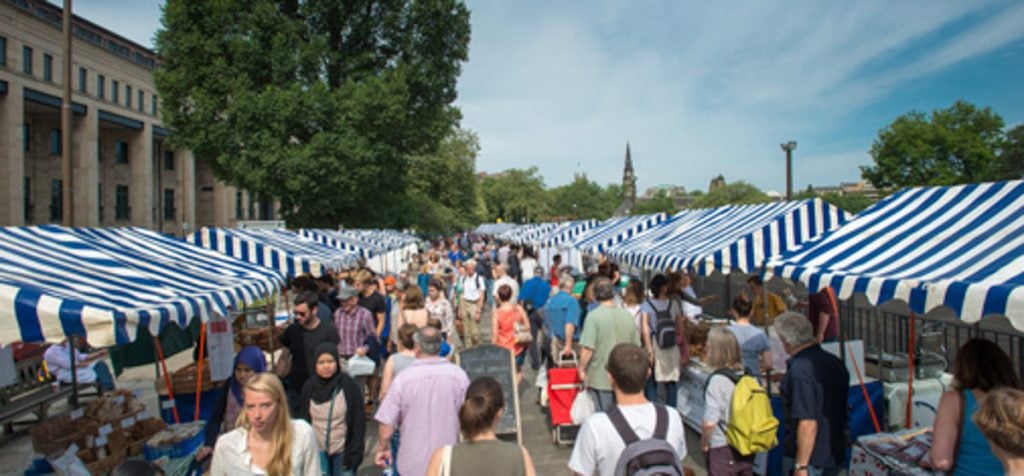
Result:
x=493 y=228
x=387 y=239
x=616 y=230
x=283 y=250
x=960 y=247
x=730 y=238
x=105 y=283
x=343 y=241
x=564 y=233
x=527 y=233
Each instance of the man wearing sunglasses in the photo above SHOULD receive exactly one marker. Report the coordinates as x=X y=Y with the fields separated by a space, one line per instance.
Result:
x=299 y=340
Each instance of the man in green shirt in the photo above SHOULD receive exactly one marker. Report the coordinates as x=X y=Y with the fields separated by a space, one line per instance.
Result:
x=606 y=326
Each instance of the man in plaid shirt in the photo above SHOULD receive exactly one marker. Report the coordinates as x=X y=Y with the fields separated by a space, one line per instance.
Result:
x=354 y=324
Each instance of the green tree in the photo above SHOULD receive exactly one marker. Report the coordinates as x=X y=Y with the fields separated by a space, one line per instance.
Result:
x=659 y=203
x=319 y=104
x=443 y=195
x=737 y=193
x=951 y=146
x=582 y=199
x=516 y=196
x=1011 y=157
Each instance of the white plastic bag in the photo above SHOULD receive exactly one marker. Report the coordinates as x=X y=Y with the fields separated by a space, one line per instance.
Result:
x=542 y=378
x=360 y=365
x=582 y=406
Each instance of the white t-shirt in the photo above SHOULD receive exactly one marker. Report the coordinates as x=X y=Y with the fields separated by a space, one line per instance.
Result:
x=527 y=267
x=598 y=446
x=231 y=454
x=511 y=283
x=718 y=406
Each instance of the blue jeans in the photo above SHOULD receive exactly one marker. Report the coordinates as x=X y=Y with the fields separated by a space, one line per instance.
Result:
x=603 y=399
x=103 y=376
x=789 y=463
x=338 y=465
x=671 y=394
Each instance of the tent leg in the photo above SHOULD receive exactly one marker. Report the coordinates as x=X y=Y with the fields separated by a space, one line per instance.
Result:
x=910 y=371
x=73 y=350
x=199 y=369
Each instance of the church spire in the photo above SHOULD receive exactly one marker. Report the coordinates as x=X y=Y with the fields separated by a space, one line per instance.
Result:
x=629 y=160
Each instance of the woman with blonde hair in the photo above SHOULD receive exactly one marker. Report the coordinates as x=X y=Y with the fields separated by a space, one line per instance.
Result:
x=1001 y=419
x=722 y=353
x=266 y=440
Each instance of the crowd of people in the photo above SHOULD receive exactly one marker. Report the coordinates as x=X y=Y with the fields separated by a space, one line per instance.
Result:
x=309 y=414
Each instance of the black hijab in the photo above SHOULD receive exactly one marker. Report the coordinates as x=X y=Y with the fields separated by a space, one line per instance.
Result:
x=321 y=388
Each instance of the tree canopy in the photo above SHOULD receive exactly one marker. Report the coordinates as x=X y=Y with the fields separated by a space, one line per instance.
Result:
x=736 y=193
x=443 y=195
x=515 y=196
x=321 y=104
x=950 y=146
x=584 y=199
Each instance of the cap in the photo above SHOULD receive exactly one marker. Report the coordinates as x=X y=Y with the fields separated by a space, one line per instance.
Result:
x=346 y=293
x=390 y=280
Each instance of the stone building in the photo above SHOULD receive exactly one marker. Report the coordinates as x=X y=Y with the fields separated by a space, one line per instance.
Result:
x=124 y=172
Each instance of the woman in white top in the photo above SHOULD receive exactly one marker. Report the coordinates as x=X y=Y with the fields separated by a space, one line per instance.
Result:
x=267 y=440
x=440 y=308
x=722 y=353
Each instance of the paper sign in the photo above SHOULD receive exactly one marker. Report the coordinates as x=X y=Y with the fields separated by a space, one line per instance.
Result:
x=137 y=393
x=167 y=404
x=119 y=399
x=143 y=415
x=105 y=430
x=77 y=414
x=101 y=441
x=221 y=346
x=72 y=450
x=128 y=422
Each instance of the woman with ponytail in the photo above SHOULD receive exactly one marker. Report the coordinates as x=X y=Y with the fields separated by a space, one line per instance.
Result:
x=481 y=451
x=266 y=440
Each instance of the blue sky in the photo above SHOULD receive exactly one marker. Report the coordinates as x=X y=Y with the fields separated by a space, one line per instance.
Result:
x=707 y=88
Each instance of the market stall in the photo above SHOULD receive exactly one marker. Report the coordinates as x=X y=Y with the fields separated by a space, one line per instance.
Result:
x=614 y=231
x=559 y=241
x=283 y=250
x=961 y=247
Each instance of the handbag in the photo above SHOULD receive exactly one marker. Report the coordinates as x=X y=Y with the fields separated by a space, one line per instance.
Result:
x=325 y=458
x=522 y=333
x=582 y=406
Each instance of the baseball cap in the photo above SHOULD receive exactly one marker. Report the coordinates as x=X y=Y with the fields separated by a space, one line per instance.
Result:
x=344 y=294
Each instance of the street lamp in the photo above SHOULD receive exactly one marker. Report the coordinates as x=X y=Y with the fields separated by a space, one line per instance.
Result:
x=789 y=147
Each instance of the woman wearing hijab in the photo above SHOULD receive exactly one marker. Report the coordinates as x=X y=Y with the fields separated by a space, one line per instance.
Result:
x=326 y=399
x=249 y=361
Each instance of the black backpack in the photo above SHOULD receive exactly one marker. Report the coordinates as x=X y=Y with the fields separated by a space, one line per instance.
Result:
x=664 y=326
x=653 y=456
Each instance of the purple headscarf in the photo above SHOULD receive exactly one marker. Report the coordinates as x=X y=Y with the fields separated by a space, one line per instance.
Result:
x=251 y=356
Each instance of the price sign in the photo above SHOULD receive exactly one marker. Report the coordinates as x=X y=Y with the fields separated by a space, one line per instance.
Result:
x=77 y=414
x=167 y=404
x=105 y=430
x=137 y=393
x=128 y=422
x=143 y=415
x=119 y=399
x=101 y=441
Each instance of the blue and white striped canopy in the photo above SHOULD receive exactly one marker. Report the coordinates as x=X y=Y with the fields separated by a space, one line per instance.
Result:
x=105 y=283
x=960 y=247
x=343 y=241
x=564 y=233
x=493 y=229
x=283 y=250
x=528 y=233
x=731 y=238
x=616 y=230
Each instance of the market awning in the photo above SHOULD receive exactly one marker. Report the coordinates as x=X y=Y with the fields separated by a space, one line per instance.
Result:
x=527 y=233
x=493 y=228
x=565 y=233
x=616 y=230
x=731 y=238
x=104 y=284
x=961 y=247
x=282 y=250
x=342 y=241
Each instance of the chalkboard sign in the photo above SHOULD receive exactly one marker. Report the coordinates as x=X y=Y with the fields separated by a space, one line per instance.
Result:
x=493 y=361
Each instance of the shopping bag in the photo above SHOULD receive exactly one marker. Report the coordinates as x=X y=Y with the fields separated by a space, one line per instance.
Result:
x=360 y=365
x=582 y=407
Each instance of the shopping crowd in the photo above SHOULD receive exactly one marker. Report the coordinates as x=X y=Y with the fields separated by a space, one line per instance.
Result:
x=364 y=346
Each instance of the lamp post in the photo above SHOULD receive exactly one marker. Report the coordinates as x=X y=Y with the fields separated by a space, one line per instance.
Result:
x=789 y=147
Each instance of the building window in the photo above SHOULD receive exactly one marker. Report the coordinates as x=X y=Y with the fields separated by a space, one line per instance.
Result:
x=82 y=80
x=142 y=101
x=115 y=91
x=56 y=200
x=121 y=152
x=99 y=200
x=154 y=104
x=238 y=205
x=266 y=208
x=101 y=86
x=26 y=136
x=252 y=207
x=3 y=51
x=121 y=209
x=99 y=152
x=47 y=67
x=169 y=204
x=127 y=95
x=27 y=191
x=168 y=160
x=26 y=60
x=55 y=141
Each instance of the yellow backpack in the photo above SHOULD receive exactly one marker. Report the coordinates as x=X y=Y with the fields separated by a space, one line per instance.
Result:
x=752 y=427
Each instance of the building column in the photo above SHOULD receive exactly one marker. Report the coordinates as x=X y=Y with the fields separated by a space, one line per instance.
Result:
x=187 y=197
x=222 y=206
x=86 y=175
x=141 y=191
x=12 y=156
